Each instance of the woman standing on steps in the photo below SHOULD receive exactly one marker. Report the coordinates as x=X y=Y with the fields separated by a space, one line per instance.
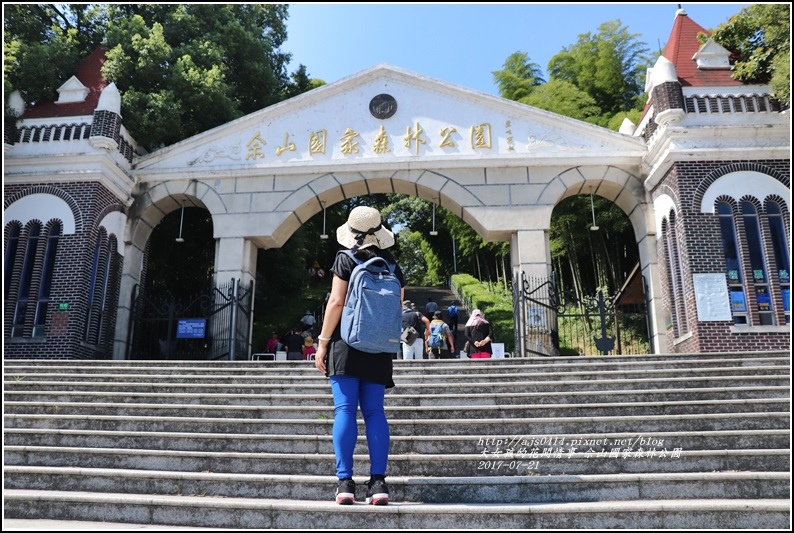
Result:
x=357 y=378
x=479 y=334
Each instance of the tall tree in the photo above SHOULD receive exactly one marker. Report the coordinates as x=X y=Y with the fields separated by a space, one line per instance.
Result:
x=609 y=66
x=44 y=43
x=191 y=67
x=564 y=98
x=181 y=68
x=518 y=78
x=760 y=35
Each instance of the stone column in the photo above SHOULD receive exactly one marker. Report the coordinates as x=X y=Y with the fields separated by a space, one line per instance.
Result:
x=530 y=255
x=649 y=265
x=235 y=257
x=130 y=277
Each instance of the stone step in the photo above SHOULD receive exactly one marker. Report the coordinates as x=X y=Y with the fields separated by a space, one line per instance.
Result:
x=425 y=389
x=484 y=461
x=322 y=388
x=434 y=412
x=427 y=367
x=469 y=425
x=260 y=513
x=630 y=441
x=308 y=377
x=400 y=444
x=397 y=400
x=496 y=489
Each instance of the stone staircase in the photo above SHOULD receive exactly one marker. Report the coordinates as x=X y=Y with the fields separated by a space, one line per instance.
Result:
x=641 y=442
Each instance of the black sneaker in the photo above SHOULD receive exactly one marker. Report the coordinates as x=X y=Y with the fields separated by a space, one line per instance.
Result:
x=377 y=491
x=346 y=492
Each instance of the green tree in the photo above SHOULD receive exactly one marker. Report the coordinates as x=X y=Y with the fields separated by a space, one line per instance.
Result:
x=760 y=35
x=43 y=44
x=609 y=66
x=181 y=68
x=518 y=78
x=300 y=82
x=191 y=67
x=562 y=97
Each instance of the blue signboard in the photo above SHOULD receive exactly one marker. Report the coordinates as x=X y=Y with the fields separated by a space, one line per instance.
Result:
x=737 y=302
x=191 y=328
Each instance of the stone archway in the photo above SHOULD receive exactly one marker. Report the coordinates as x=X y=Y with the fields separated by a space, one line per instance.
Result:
x=498 y=165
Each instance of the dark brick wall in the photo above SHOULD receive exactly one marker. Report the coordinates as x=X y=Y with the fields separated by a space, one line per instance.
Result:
x=667 y=96
x=65 y=329
x=702 y=252
x=106 y=124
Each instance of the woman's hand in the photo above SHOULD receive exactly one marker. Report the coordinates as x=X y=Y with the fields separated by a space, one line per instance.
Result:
x=319 y=357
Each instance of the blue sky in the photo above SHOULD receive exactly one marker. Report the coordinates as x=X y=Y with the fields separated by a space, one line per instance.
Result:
x=464 y=43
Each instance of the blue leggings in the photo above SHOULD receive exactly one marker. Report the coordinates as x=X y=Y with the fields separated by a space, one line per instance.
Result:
x=349 y=392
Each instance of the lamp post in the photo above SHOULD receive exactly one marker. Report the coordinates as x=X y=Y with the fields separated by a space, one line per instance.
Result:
x=454 y=255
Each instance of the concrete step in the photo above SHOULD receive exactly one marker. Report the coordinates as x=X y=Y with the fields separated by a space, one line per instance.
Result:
x=681 y=441
x=449 y=489
x=321 y=399
x=400 y=444
x=469 y=425
x=482 y=461
x=430 y=412
x=308 y=376
x=427 y=367
x=424 y=389
x=281 y=513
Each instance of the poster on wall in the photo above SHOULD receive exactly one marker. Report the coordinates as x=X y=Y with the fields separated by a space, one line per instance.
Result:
x=711 y=297
x=738 y=303
x=763 y=299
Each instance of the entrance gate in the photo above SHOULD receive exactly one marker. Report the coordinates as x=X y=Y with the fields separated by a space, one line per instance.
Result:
x=549 y=322
x=210 y=326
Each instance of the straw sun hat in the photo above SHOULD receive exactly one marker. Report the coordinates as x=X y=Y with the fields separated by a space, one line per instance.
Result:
x=363 y=229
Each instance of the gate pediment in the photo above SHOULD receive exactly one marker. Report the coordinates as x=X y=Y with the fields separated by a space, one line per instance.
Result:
x=386 y=117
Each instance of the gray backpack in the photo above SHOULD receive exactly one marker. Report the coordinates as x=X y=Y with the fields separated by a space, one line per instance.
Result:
x=371 y=317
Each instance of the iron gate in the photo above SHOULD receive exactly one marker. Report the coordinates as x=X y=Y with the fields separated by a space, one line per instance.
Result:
x=212 y=325
x=548 y=322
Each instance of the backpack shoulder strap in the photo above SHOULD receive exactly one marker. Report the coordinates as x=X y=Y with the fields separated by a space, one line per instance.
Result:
x=375 y=259
x=352 y=256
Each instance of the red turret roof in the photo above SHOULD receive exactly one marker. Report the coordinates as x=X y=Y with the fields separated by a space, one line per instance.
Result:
x=682 y=45
x=89 y=73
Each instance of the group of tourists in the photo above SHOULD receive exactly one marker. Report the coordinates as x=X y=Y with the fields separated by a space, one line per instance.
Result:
x=429 y=336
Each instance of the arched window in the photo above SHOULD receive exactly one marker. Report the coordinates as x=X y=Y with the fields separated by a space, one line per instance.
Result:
x=23 y=295
x=40 y=318
x=98 y=290
x=755 y=250
x=777 y=234
x=10 y=258
x=733 y=269
x=675 y=280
